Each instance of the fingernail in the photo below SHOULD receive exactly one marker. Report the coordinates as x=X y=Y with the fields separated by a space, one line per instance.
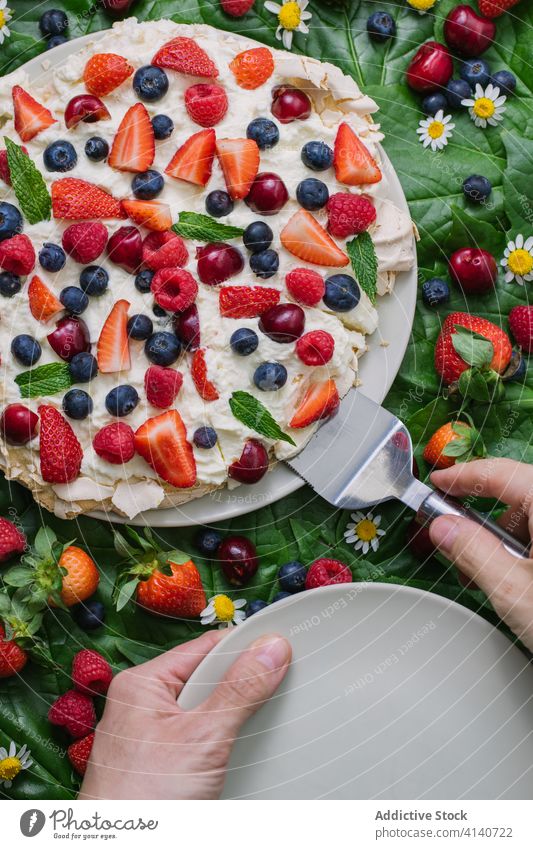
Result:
x=272 y=651
x=443 y=532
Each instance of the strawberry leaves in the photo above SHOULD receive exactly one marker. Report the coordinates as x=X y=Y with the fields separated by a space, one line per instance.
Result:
x=468 y=446
x=480 y=382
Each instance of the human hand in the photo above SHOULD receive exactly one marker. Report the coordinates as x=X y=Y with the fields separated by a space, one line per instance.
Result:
x=146 y=747
x=506 y=580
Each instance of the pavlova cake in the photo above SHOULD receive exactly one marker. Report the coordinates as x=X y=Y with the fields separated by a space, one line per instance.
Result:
x=193 y=232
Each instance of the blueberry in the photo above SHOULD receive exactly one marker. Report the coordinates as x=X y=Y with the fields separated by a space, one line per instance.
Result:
x=264 y=264
x=477 y=188
x=255 y=606
x=207 y=541
x=77 y=404
x=218 y=203
x=317 y=155
x=163 y=127
x=96 y=149
x=456 y=92
x=435 y=292
x=60 y=156
x=269 y=377
x=312 y=194
x=94 y=280
x=433 y=102
x=516 y=370
x=9 y=284
x=264 y=132
x=150 y=83
x=83 y=367
x=505 y=81
x=52 y=257
x=53 y=22
x=342 y=293
x=475 y=71
x=244 y=341
x=291 y=576
x=257 y=236
x=163 y=348
x=147 y=185
x=10 y=221
x=55 y=41
x=380 y=26
x=121 y=400
x=89 y=615
x=143 y=280
x=74 y=300
x=159 y=311
x=26 y=349
x=205 y=437
x=140 y=327
x=280 y=597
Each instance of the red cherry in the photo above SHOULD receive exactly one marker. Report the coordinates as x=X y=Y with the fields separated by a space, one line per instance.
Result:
x=18 y=424
x=70 y=337
x=125 y=248
x=290 y=104
x=238 y=559
x=116 y=7
x=419 y=541
x=217 y=262
x=252 y=464
x=430 y=68
x=283 y=323
x=268 y=194
x=474 y=270
x=467 y=33
x=187 y=327
x=87 y=108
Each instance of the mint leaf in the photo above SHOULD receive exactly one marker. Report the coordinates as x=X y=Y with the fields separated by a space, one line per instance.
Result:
x=203 y=228
x=28 y=184
x=251 y=412
x=364 y=263
x=471 y=347
x=44 y=380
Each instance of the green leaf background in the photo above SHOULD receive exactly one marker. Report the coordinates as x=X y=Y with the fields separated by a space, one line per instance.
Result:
x=302 y=526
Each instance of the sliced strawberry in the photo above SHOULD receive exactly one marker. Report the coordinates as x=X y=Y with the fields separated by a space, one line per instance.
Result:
x=43 y=302
x=239 y=160
x=304 y=237
x=112 y=350
x=246 y=301
x=320 y=400
x=205 y=388
x=60 y=453
x=30 y=117
x=104 y=72
x=193 y=161
x=4 y=165
x=185 y=56
x=133 y=147
x=162 y=442
x=150 y=213
x=76 y=200
x=352 y=160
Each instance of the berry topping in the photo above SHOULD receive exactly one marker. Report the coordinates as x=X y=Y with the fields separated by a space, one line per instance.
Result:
x=96 y=149
x=239 y=160
x=140 y=327
x=70 y=337
x=269 y=377
x=251 y=466
x=74 y=300
x=290 y=104
x=312 y=194
x=349 y=214
x=26 y=349
x=380 y=26
x=162 y=442
x=342 y=293
x=85 y=242
x=18 y=424
x=162 y=348
x=148 y=185
x=164 y=250
x=94 y=280
x=474 y=270
x=10 y=220
x=252 y=68
x=59 y=450
x=325 y=571
x=126 y=248
x=174 y=289
x=17 y=255
x=149 y=213
x=305 y=286
x=91 y=673
x=77 y=404
x=9 y=284
x=318 y=402
x=104 y=72
x=317 y=155
x=112 y=348
x=283 y=322
x=435 y=292
x=83 y=367
x=121 y=400
x=52 y=257
x=264 y=264
x=205 y=388
x=521 y=326
x=205 y=437
x=29 y=116
x=218 y=203
x=43 y=303
x=193 y=161
x=133 y=147
x=353 y=162
x=60 y=156
x=162 y=385
x=163 y=127
x=246 y=301
x=315 y=348
x=291 y=576
x=150 y=83
x=76 y=200
x=143 y=280
x=185 y=56
x=115 y=443
x=304 y=237
x=86 y=108
x=263 y=132
x=257 y=236
x=238 y=558
x=268 y=194
x=206 y=103
x=217 y=262
x=187 y=325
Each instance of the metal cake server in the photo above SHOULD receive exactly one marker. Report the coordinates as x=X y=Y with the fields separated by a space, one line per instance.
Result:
x=363 y=455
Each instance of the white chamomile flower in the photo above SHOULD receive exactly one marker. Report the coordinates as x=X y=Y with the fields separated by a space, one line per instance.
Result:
x=486 y=107
x=435 y=130
x=13 y=762
x=5 y=17
x=222 y=610
x=291 y=18
x=364 y=531
x=518 y=260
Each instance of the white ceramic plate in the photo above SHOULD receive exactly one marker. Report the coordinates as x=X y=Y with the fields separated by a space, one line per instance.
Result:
x=379 y=367
x=393 y=693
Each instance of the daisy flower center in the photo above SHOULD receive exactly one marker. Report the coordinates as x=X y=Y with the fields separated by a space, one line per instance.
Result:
x=520 y=262
x=436 y=129
x=366 y=530
x=484 y=107
x=290 y=15
x=224 y=608
x=2 y=18
x=9 y=767
x=421 y=5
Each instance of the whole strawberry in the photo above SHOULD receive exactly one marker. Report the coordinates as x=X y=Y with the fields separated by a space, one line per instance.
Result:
x=236 y=8
x=13 y=658
x=521 y=326
x=75 y=712
x=12 y=541
x=326 y=571
x=79 y=753
x=495 y=8
x=453 y=442
x=91 y=673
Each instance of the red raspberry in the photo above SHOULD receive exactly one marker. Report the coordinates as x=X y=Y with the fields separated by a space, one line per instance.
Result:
x=236 y=8
x=4 y=167
x=75 y=712
x=174 y=289
x=162 y=385
x=79 y=753
x=115 y=443
x=349 y=214
x=12 y=541
x=323 y=572
x=17 y=255
x=315 y=348
x=305 y=285
x=206 y=103
x=85 y=242
x=521 y=326
x=91 y=673
x=164 y=250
